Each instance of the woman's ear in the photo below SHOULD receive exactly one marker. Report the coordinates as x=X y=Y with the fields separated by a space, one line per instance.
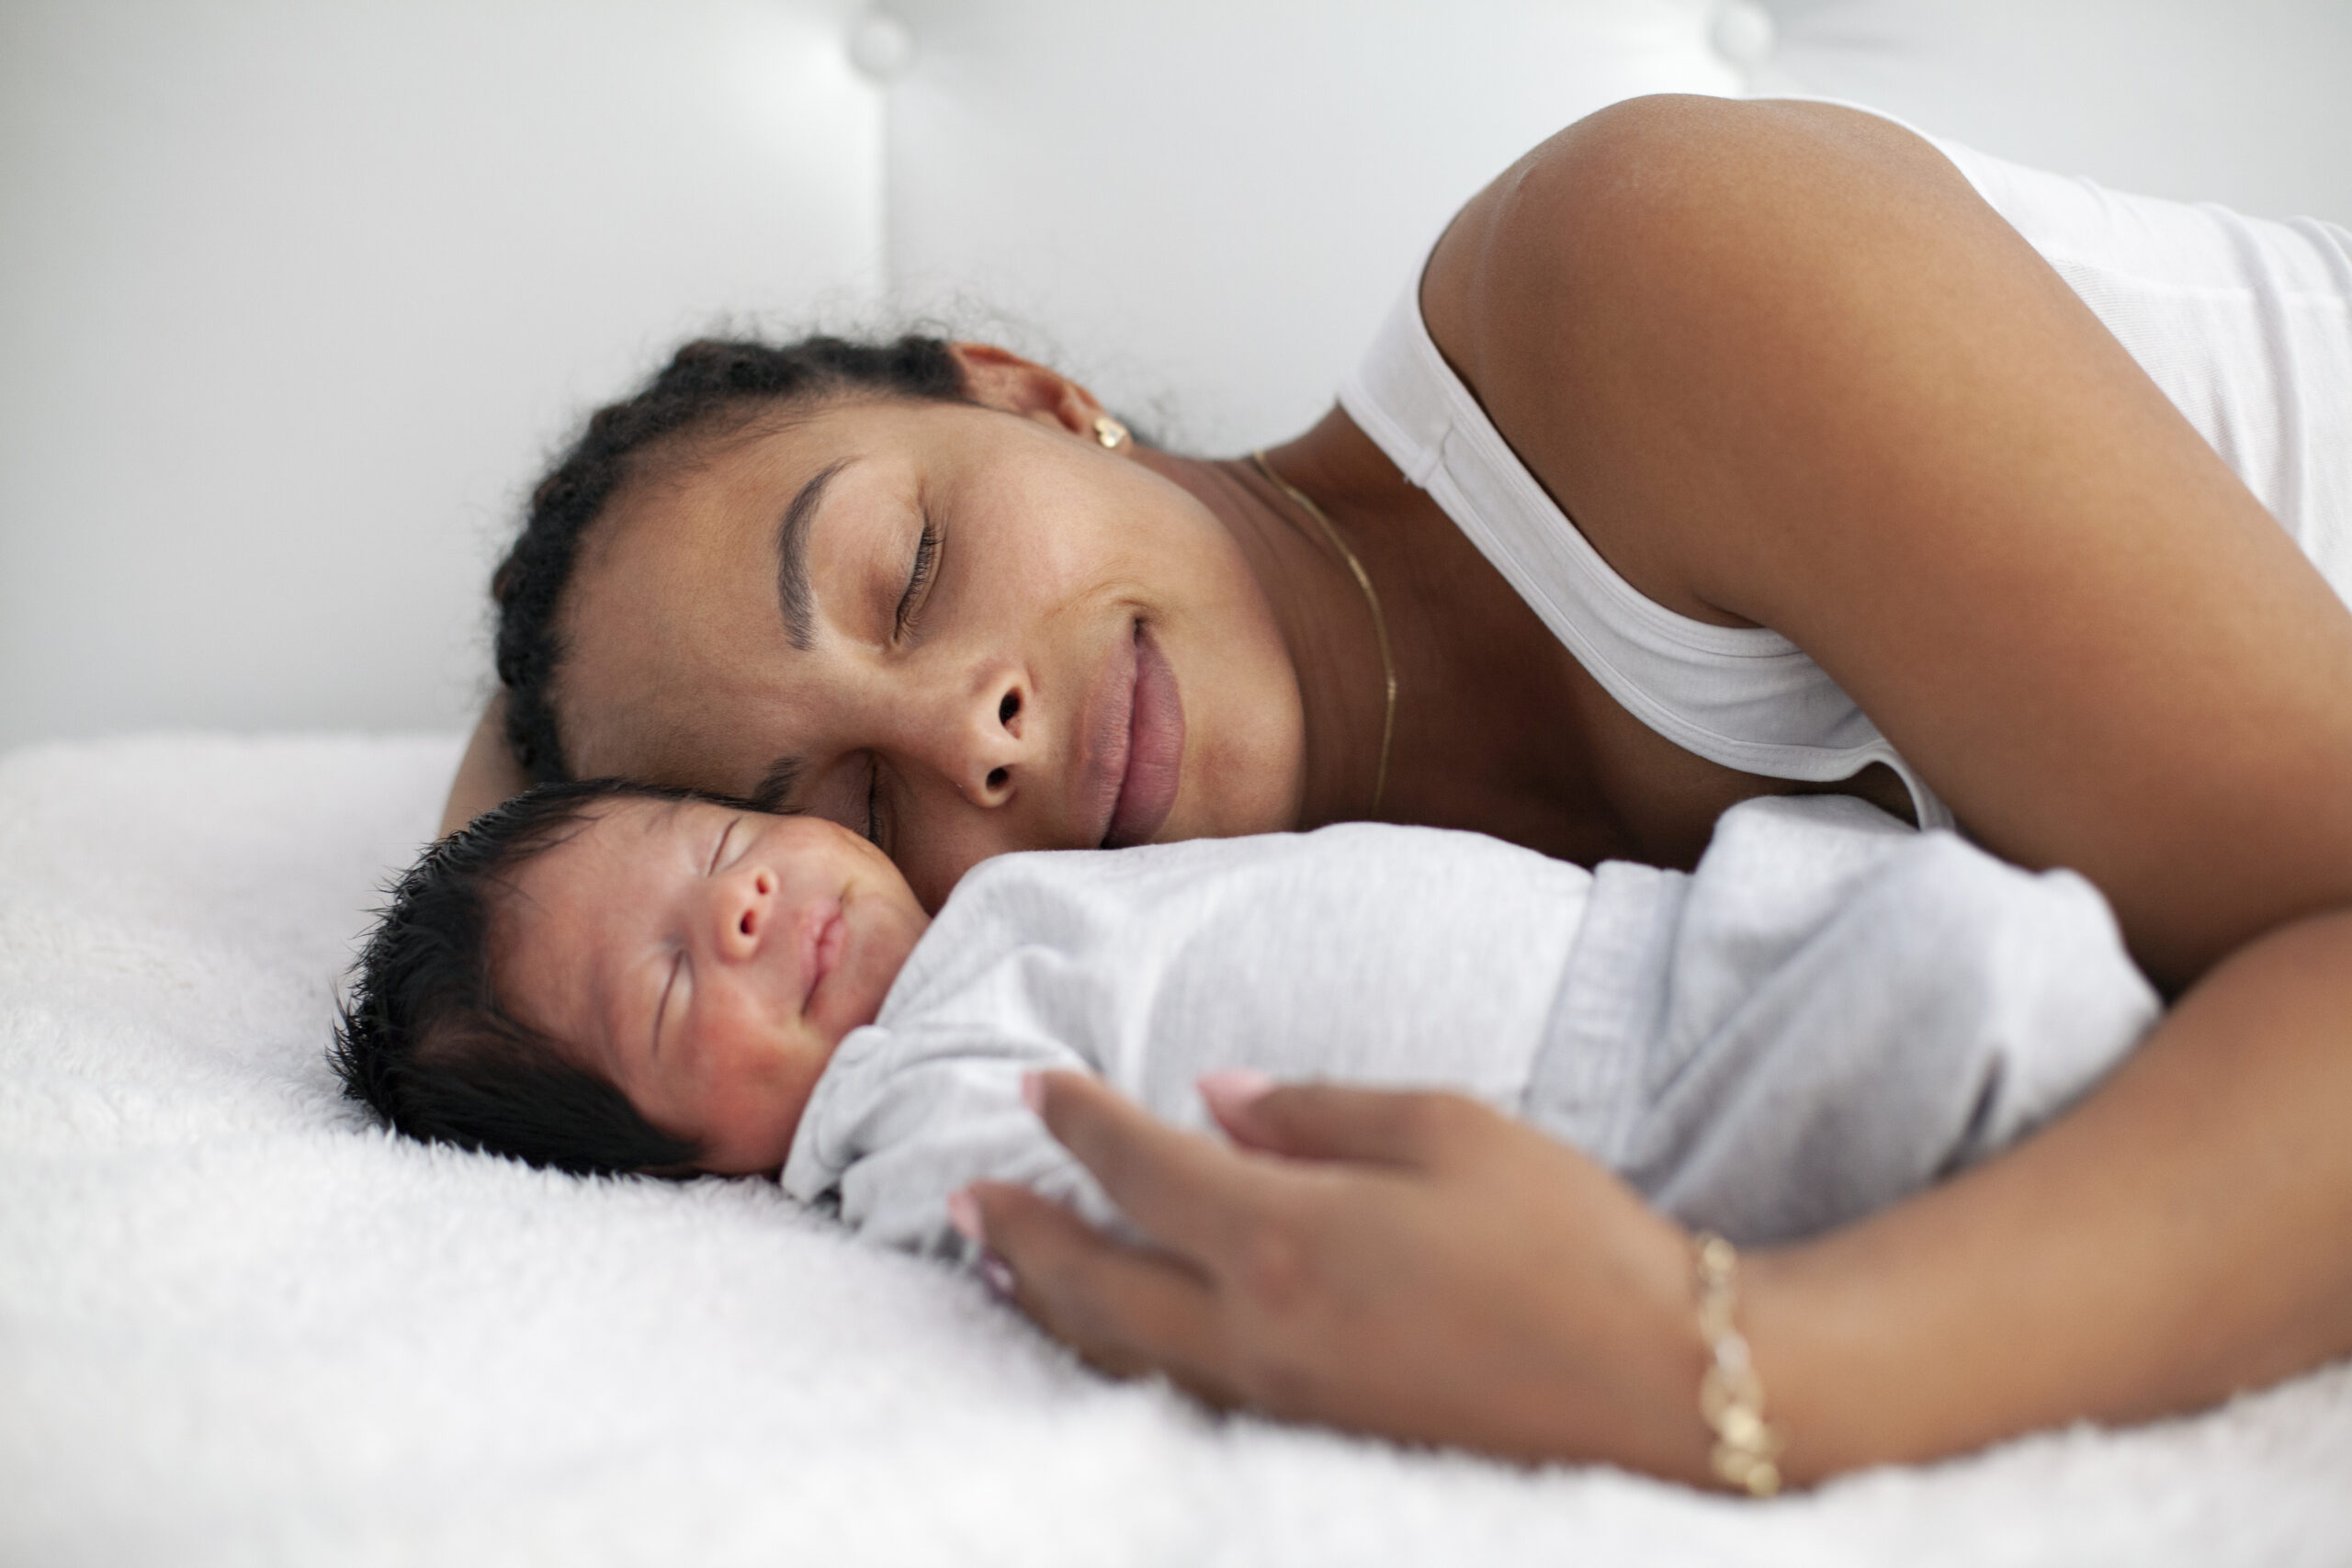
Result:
x=1000 y=378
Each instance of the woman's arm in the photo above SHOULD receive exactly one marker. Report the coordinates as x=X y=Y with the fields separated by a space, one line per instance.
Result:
x=1783 y=368
x=2174 y=1239
x=487 y=773
x=1782 y=365
x=1420 y=1267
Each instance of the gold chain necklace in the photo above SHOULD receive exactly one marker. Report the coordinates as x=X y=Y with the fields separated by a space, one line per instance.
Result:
x=1371 y=603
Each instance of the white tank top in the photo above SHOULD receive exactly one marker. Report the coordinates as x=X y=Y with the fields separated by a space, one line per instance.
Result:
x=2245 y=324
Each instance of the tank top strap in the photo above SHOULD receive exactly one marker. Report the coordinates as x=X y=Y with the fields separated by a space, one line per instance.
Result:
x=1745 y=697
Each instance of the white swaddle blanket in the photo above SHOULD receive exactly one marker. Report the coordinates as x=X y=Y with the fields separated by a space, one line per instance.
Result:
x=1831 y=1012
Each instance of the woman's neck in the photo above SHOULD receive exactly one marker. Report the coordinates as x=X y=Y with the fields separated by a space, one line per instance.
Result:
x=1324 y=622
x=1491 y=709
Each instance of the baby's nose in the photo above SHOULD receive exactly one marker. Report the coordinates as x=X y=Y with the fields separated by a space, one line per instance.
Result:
x=746 y=912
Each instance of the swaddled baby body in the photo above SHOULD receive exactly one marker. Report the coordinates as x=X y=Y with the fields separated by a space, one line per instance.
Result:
x=1831 y=1012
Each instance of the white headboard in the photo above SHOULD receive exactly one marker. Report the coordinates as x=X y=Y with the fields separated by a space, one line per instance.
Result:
x=299 y=296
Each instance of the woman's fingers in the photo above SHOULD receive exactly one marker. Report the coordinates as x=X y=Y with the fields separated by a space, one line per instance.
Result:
x=1185 y=1192
x=1441 y=1271
x=1410 y=1129
x=1127 y=1311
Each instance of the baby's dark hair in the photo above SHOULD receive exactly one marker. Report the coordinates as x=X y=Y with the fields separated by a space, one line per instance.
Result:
x=423 y=1040
x=710 y=387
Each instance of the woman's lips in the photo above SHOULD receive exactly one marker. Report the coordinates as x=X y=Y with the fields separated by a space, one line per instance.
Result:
x=1104 y=741
x=1155 y=749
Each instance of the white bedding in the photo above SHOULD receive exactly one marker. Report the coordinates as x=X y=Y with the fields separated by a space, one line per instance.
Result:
x=236 y=1324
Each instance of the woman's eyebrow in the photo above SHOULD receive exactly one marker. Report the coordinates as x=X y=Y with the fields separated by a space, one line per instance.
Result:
x=792 y=556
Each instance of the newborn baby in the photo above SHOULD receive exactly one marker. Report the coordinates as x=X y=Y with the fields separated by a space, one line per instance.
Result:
x=1832 y=1011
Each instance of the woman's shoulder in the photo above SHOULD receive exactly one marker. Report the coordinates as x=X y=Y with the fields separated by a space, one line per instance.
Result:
x=1621 y=299
x=1651 y=209
x=1673 y=189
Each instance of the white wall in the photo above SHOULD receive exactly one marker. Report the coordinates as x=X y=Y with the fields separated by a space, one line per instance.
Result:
x=298 y=292
x=295 y=295
x=2244 y=102
x=1205 y=209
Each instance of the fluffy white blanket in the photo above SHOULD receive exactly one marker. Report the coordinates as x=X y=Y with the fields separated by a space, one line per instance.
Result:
x=238 y=1325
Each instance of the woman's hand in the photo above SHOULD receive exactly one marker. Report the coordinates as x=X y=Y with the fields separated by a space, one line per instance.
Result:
x=1417 y=1266
x=1413 y=1265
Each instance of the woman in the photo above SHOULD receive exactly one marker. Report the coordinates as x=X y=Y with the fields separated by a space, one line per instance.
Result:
x=1784 y=369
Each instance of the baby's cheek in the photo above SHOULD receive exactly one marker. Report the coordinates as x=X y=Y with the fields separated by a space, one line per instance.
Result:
x=752 y=1090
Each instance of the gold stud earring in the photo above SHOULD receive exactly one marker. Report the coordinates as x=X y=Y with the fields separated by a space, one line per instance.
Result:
x=1109 y=431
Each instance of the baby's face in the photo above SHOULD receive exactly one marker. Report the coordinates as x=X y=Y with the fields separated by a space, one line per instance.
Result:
x=705 y=961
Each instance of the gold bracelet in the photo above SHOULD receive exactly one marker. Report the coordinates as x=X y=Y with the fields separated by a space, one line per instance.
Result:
x=1731 y=1396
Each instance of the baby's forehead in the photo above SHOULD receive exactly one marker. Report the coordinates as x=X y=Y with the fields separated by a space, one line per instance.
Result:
x=623 y=824
x=586 y=882
x=556 y=914
x=611 y=838
x=649 y=817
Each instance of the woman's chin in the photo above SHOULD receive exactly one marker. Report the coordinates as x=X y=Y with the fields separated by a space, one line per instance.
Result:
x=1263 y=795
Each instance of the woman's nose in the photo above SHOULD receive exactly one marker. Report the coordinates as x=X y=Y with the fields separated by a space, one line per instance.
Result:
x=994 y=750
x=743 y=909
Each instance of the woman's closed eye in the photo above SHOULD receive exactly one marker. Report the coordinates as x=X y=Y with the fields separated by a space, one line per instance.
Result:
x=873 y=803
x=919 y=577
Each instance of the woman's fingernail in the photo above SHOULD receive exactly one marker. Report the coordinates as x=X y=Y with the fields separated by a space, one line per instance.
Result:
x=1234 y=1089
x=963 y=1213
x=1033 y=1091
x=996 y=1275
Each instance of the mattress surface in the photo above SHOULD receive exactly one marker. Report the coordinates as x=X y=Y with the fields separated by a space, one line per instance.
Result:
x=237 y=1324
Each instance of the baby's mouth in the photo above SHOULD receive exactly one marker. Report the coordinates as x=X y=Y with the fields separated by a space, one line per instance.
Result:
x=828 y=937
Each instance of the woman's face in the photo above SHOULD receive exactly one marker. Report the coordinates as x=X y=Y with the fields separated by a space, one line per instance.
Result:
x=957 y=629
